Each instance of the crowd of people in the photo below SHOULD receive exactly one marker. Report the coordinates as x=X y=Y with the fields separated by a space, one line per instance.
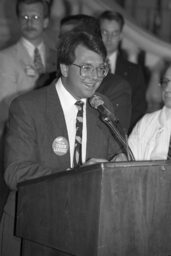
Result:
x=44 y=92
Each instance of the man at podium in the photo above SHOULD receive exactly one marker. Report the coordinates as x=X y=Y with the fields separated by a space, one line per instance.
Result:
x=55 y=128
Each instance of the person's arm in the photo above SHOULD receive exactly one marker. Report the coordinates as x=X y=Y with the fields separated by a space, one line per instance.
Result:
x=8 y=78
x=8 y=87
x=139 y=104
x=136 y=138
x=21 y=147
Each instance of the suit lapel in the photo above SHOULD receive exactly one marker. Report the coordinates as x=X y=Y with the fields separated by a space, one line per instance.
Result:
x=106 y=83
x=25 y=68
x=93 y=126
x=23 y=55
x=51 y=59
x=121 y=66
x=55 y=118
x=26 y=60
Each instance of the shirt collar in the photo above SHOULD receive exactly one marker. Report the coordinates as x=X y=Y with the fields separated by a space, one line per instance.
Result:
x=113 y=55
x=112 y=60
x=65 y=96
x=30 y=47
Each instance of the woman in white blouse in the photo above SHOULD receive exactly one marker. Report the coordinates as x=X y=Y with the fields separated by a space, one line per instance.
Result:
x=150 y=137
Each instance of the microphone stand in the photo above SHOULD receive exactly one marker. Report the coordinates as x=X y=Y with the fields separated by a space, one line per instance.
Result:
x=113 y=125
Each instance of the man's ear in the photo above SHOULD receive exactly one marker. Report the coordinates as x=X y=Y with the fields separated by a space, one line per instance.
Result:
x=45 y=23
x=64 y=70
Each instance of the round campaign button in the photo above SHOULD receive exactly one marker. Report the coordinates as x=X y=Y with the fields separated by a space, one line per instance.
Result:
x=60 y=146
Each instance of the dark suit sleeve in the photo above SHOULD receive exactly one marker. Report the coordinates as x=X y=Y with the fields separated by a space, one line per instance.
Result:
x=113 y=144
x=139 y=104
x=133 y=73
x=121 y=99
x=21 y=156
x=119 y=92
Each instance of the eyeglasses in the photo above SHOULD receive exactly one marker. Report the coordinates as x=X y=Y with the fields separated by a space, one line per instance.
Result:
x=33 y=18
x=164 y=82
x=113 y=34
x=88 y=70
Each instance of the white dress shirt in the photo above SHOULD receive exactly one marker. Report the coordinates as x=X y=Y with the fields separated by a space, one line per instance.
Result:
x=112 y=61
x=70 y=112
x=150 y=138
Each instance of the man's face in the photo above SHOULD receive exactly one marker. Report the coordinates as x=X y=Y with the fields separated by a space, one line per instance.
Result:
x=78 y=84
x=32 y=21
x=111 y=35
x=166 y=88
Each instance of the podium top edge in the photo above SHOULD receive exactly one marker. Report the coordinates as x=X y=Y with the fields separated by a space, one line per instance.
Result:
x=138 y=163
x=97 y=167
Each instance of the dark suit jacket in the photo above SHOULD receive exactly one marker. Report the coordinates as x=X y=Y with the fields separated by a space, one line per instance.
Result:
x=36 y=119
x=118 y=91
x=133 y=74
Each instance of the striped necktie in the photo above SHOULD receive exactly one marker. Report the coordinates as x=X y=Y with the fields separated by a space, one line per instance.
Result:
x=169 y=151
x=109 y=65
x=38 y=64
x=77 y=159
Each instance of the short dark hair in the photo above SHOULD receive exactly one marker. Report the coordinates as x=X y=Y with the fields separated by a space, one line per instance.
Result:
x=45 y=3
x=69 y=42
x=82 y=22
x=110 y=15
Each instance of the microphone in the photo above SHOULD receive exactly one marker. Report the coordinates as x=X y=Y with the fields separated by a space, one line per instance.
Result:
x=98 y=103
x=112 y=122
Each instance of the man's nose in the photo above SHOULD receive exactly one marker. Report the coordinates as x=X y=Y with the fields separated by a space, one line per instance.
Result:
x=109 y=37
x=95 y=74
x=29 y=22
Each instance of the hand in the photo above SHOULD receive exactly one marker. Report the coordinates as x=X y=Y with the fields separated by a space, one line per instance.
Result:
x=94 y=161
x=119 y=158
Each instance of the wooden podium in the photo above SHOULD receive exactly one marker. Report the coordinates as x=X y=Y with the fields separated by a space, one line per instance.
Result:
x=110 y=209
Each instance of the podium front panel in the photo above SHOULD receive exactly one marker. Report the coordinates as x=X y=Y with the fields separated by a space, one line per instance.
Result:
x=61 y=211
x=121 y=209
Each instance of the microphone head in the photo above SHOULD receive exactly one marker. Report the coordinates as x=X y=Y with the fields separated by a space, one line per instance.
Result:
x=96 y=101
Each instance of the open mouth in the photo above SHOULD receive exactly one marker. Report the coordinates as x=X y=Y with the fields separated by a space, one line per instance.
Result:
x=90 y=86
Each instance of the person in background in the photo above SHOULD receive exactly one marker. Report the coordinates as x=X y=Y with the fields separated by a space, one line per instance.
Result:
x=111 y=25
x=150 y=138
x=41 y=135
x=21 y=65
x=80 y=21
x=154 y=92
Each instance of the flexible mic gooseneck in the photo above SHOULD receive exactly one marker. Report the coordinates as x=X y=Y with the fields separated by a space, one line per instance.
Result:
x=112 y=122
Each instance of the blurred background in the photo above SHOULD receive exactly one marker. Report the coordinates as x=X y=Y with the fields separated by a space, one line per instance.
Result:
x=147 y=33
